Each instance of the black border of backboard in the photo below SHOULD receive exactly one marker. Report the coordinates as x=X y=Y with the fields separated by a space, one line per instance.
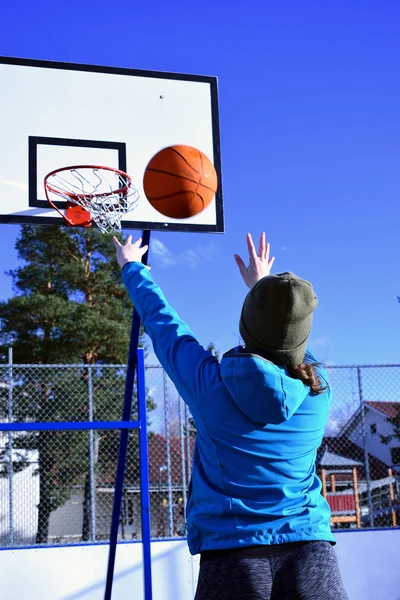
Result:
x=212 y=81
x=34 y=142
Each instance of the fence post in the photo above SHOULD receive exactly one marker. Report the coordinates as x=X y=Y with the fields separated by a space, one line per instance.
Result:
x=366 y=457
x=168 y=449
x=10 y=448
x=183 y=462
x=188 y=445
x=92 y=480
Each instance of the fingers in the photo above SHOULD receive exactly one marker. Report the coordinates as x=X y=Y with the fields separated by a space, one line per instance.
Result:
x=250 y=246
x=269 y=260
x=240 y=264
x=136 y=244
x=117 y=243
x=261 y=248
x=266 y=250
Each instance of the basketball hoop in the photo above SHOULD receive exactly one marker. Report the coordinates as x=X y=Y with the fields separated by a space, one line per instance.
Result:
x=92 y=193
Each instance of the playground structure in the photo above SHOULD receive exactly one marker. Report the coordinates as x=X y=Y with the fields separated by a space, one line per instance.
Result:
x=346 y=506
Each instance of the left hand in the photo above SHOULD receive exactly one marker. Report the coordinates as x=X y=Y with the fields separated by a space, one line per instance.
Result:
x=129 y=252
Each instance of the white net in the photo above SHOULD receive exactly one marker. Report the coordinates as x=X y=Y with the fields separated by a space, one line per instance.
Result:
x=107 y=195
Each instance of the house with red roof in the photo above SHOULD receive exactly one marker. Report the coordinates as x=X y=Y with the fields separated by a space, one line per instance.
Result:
x=376 y=427
x=360 y=467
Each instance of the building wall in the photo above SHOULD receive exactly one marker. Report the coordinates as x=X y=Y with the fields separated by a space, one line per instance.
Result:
x=25 y=503
x=373 y=440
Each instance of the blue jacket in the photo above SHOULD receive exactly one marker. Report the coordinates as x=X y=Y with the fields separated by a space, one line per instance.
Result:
x=258 y=431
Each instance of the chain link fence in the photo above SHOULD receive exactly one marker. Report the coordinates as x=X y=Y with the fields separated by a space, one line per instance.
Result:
x=57 y=487
x=359 y=460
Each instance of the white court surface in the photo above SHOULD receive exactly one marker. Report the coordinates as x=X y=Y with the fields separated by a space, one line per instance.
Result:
x=61 y=114
x=369 y=562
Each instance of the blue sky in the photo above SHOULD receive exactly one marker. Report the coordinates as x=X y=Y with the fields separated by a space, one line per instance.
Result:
x=310 y=132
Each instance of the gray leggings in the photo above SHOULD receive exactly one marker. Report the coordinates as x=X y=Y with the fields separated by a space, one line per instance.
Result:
x=306 y=571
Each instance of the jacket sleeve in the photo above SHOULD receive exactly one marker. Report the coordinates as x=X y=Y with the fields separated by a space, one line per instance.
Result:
x=192 y=369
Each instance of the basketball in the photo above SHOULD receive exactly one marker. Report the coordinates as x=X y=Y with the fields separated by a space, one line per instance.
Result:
x=180 y=181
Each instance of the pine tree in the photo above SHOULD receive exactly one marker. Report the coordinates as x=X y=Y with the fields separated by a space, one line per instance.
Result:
x=70 y=304
x=70 y=307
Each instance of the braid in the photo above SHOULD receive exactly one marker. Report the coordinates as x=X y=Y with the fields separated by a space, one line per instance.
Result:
x=307 y=374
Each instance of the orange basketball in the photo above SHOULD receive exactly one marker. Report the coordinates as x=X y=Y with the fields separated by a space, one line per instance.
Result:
x=180 y=181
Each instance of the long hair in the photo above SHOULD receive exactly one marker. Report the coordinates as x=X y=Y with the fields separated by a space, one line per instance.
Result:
x=307 y=373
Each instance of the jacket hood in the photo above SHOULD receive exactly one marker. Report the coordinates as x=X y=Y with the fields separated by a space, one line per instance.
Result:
x=262 y=390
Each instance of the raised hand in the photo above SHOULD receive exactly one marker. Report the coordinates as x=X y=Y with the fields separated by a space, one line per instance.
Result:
x=129 y=252
x=260 y=264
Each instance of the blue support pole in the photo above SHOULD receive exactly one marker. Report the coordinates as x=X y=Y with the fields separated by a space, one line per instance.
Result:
x=123 y=446
x=144 y=478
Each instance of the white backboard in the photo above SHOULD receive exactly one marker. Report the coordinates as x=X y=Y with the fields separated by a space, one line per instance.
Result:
x=60 y=114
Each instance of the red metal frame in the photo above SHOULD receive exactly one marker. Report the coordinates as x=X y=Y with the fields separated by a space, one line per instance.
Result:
x=74 y=214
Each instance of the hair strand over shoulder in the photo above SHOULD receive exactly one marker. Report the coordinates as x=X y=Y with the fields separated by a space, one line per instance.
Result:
x=306 y=372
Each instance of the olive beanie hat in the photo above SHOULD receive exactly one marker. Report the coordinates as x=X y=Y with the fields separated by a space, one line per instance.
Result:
x=276 y=318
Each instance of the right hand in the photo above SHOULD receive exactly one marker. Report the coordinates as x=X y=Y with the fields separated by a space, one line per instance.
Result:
x=129 y=252
x=260 y=264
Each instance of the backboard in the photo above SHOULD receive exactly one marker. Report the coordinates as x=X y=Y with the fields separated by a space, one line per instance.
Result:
x=60 y=114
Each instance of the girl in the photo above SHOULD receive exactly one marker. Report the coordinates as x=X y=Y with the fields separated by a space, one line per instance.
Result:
x=255 y=511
